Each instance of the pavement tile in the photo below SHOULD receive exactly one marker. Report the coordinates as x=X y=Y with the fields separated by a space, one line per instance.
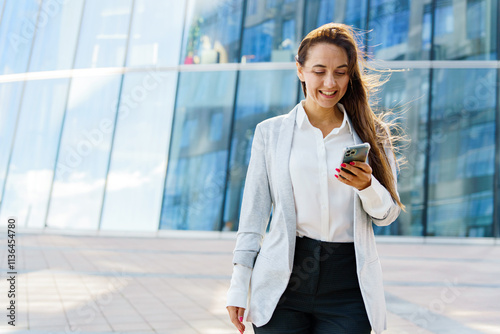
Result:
x=126 y=284
x=179 y=331
x=131 y=327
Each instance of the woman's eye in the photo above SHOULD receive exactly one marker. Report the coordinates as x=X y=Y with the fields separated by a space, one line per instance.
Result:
x=340 y=73
x=319 y=73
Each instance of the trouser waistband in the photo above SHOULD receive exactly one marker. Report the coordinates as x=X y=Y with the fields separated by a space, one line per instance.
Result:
x=309 y=244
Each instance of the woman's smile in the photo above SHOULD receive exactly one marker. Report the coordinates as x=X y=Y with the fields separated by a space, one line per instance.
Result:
x=328 y=94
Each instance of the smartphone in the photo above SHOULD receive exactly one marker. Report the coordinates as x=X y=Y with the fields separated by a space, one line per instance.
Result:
x=355 y=153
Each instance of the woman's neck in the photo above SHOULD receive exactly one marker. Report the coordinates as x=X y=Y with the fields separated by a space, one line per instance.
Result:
x=323 y=116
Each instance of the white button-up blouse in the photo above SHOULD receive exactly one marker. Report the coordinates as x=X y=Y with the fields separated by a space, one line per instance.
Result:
x=324 y=205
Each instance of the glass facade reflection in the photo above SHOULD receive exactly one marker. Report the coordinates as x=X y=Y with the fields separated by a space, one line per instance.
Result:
x=59 y=33
x=150 y=46
x=16 y=35
x=154 y=129
x=400 y=29
x=103 y=33
x=465 y=29
x=319 y=12
x=462 y=153
x=85 y=144
x=197 y=170
x=272 y=31
x=34 y=150
x=137 y=165
x=261 y=95
x=10 y=95
x=212 y=32
x=406 y=94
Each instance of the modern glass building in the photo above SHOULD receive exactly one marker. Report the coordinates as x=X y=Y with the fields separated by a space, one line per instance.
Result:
x=138 y=115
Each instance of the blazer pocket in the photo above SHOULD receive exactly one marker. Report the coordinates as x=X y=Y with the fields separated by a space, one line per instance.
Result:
x=371 y=276
x=372 y=261
x=261 y=266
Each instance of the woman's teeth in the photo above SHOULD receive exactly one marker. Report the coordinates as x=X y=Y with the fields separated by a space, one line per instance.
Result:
x=328 y=93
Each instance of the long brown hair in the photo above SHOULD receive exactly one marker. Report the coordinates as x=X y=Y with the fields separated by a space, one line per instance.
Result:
x=371 y=127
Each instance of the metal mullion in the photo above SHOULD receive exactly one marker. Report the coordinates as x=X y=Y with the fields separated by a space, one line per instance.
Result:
x=21 y=98
x=231 y=127
x=429 y=128
x=496 y=175
x=116 y=116
x=70 y=83
x=172 y=126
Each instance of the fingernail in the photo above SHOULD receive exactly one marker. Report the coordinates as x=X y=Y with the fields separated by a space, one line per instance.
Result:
x=336 y=176
x=343 y=165
x=338 y=170
x=240 y=319
x=351 y=163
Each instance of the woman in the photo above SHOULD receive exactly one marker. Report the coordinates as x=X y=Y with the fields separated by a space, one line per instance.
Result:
x=317 y=270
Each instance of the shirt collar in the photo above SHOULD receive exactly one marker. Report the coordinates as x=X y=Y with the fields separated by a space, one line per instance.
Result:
x=302 y=119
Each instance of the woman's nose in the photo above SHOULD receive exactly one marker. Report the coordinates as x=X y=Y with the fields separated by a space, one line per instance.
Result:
x=330 y=81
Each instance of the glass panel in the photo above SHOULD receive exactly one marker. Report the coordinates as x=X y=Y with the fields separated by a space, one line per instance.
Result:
x=462 y=153
x=496 y=227
x=84 y=153
x=354 y=13
x=319 y=12
x=212 y=32
x=406 y=95
x=16 y=35
x=150 y=45
x=465 y=29
x=196 y=177
x=2 y=3
x=55 y=39
x=401 y=29
x=104 y=33
x=10 y=95
x=272 y=34
x=261 y=95
x=134 y=188
x=33 y=159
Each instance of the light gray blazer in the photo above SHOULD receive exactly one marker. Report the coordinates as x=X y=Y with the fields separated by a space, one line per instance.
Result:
x=271 y=256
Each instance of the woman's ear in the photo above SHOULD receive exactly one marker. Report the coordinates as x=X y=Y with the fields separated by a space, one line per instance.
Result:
x=300 y=73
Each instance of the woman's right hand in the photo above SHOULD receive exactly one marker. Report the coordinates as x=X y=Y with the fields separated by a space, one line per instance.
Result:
x=235 y=314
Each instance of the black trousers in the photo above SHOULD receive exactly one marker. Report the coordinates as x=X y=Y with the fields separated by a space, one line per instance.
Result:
x=323 y=294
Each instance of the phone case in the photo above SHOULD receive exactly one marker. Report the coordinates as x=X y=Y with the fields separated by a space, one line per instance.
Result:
x=355 y=153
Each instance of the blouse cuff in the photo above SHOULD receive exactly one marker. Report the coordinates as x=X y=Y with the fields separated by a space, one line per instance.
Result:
x=240 y=282
x=375 y=198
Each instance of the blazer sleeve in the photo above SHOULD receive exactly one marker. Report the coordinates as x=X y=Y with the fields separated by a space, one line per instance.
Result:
x=376 y=199
x=254 y=216
x=256 y=205
x=393 y=211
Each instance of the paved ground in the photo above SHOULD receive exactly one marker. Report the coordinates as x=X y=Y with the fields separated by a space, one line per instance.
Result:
x=81 y=284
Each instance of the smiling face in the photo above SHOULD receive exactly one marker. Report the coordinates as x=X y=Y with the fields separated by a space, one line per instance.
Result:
x=325 y=75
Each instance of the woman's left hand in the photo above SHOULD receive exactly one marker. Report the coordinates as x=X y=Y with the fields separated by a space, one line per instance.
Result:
x=362 y=177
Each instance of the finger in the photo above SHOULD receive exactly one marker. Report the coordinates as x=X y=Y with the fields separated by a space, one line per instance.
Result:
x=241 y=313
x=346 y=173
x=233 y=315
x=343 y=177
x=350 y=168
x=361 y=165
